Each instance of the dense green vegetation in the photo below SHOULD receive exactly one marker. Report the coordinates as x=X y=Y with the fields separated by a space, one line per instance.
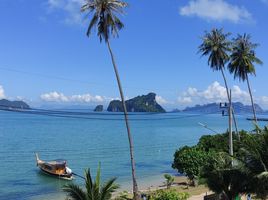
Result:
x=94 y=189
x=245 y=172
x=188 y=160
x=168 y=195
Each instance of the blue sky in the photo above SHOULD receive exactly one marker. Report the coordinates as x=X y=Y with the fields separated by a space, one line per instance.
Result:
x=45 y=55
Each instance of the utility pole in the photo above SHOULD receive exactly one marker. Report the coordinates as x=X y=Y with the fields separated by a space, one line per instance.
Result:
x=230 y=114
x=231 y=150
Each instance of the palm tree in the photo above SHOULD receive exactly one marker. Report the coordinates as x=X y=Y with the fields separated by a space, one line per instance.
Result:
x=254 y=154
x=242 y=61
x=94 y=190
x=217 y=46
x=108 y=24
x=223 y=178
x=169 y=180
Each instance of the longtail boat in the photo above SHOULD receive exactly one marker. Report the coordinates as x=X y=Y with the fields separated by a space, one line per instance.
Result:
x=57 y=168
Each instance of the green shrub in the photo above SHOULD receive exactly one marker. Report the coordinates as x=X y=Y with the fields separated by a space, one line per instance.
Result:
x=189 y=160
x=169 y=180
x=168 y=195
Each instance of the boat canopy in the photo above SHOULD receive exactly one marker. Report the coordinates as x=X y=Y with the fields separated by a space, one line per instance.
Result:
x=58 y=163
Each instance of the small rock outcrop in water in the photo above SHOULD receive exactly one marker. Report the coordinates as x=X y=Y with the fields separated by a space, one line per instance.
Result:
x=99 y=108
x=144 y=103
x=6 y=104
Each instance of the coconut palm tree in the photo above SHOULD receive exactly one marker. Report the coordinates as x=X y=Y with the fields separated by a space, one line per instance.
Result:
x=242 y=60
x=216 y=46
x=108 y=24
x=94 y=190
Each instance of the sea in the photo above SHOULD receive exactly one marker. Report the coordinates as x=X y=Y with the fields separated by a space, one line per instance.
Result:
x=87 y=139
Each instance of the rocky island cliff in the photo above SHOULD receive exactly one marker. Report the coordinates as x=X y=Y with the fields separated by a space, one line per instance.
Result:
x=6 y=104
x=144 y=103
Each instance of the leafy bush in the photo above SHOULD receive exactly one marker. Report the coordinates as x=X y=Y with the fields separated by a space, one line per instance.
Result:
x=168 y=195
x=189 y=160
x=123 y=196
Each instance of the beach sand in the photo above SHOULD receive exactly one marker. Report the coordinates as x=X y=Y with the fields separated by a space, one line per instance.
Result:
x=146 y=184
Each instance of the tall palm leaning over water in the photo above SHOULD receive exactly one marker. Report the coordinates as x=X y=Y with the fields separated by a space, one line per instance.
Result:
x=107 y=23
x=216 y=46
x=242 y=61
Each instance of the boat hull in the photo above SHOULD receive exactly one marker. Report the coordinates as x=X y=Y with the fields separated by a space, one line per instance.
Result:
x=61 y=176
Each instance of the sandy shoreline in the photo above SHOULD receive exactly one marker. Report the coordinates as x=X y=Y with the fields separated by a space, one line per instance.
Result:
x=145 y=185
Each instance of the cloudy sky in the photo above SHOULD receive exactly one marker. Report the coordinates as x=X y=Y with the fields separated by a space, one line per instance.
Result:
x=45 y=55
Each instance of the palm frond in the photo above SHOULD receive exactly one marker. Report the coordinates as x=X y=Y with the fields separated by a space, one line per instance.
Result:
x=216 y=45
x=104 y=17
x=89 y=184
x=108 y=188
x=243 y=57
x=74 y=192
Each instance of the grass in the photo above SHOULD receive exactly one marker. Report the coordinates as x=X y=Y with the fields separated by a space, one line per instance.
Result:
x=181 y=185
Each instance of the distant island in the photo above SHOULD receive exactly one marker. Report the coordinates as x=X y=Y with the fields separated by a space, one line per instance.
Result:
x=6 y=104
x=215 y=108
x=144 y=103
x=98 y=108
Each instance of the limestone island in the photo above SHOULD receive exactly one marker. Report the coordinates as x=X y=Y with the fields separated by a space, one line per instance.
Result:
x=99 y=108
x=144 y=103
x=6 y=104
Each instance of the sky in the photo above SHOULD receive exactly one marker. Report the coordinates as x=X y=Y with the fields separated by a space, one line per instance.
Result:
x=46 y=57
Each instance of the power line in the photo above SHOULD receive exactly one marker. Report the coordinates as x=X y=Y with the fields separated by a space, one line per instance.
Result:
x=64 y=115
x=71 y=80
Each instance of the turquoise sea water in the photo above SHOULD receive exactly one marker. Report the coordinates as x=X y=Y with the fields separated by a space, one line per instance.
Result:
x=85 y=143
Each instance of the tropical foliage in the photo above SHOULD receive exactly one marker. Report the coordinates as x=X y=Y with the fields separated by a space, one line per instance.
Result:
x=254 y=153
x=94 y=190
x=168 y=195
x=225 y=178
x=245 y=172
x=169 y=180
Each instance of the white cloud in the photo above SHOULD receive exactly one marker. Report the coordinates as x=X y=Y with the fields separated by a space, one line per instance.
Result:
x=54 y=96
x=80 y=98
x=216 y=10
x=213 y=93
x=160 y=100
x=70 y=7
x=2 y=92
x=185 y=100
x=86 y=98
x=264 y=101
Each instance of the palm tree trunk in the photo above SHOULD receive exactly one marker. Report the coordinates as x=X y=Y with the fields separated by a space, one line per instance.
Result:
x=135 y=186
x=252 y=102
x=229 y=100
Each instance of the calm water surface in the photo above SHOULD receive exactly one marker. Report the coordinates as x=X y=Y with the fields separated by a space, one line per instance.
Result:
x=85 y=143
